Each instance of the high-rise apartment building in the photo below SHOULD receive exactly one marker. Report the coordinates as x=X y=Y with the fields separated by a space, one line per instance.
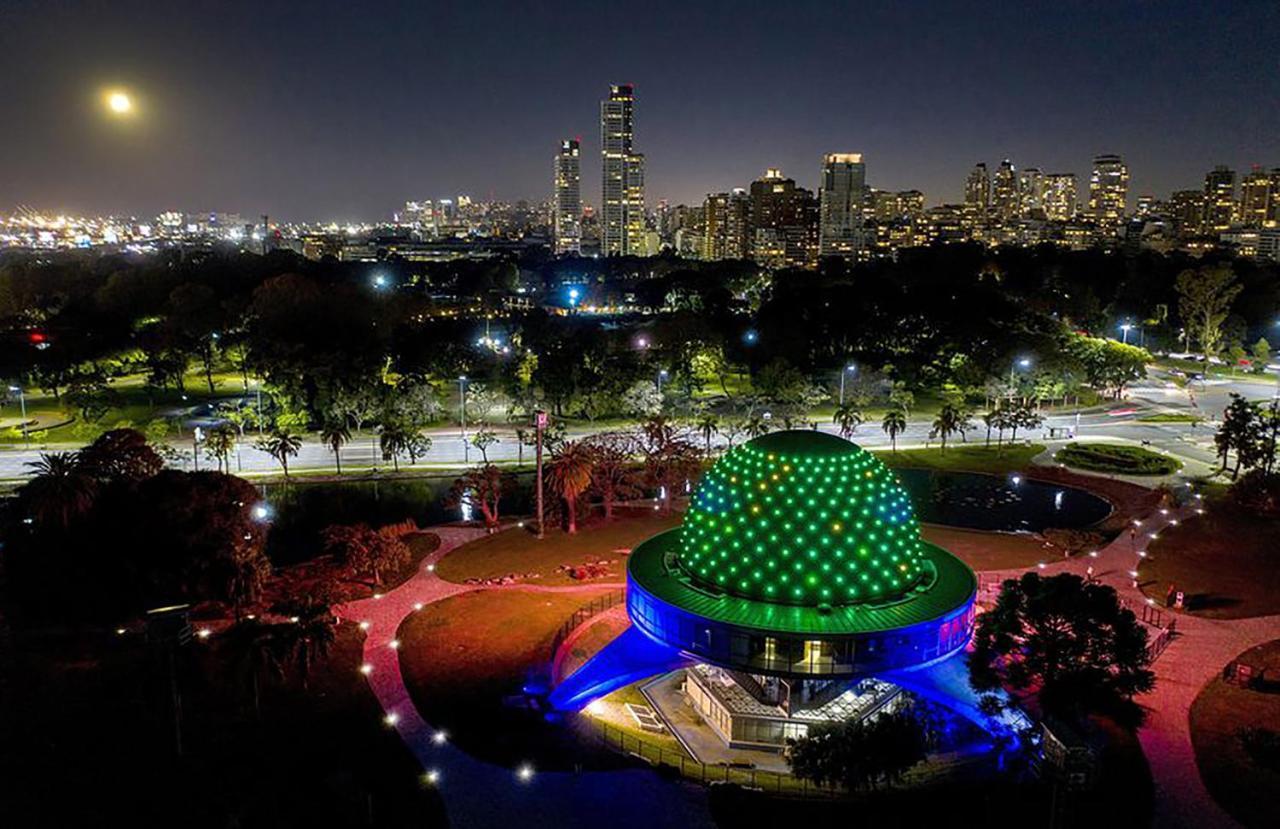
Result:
x=622 y=218
x=841 y=193
x=1219 y=200
x=1005 y=204
x=784 y=222
x=1108 y=190
x=567 y=205
x=1060 y=197
x=1031 y=193
x=726 y=217
x=1260 y=198
x=977 y=197
x=1186 y=208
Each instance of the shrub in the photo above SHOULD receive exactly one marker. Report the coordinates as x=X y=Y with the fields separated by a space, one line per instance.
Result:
x=1111 y=457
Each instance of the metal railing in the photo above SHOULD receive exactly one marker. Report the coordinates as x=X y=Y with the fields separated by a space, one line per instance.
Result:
x=770 y=781
x=594 y=608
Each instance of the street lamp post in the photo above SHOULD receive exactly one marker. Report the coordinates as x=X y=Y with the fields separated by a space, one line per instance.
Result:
x=22 y=402
x=846 y=370
x=1024 y=362
x=540 y=423
x=1124 y=333
x=661 y=375
x=462 y=417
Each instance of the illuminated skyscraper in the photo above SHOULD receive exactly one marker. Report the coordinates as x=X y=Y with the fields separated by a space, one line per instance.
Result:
x=568 y=198
x=784 y=222
x=622 y=207
x=1108 y=190
x=844 y=183
x=1005 y=204
x=726 y=217
x=1219 y=199
x=977 y=197
x=1186 y=208
x=1031 y=193
x=1060 y=196
x=1260 y=198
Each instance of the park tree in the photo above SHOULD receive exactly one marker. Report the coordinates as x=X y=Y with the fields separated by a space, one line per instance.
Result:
x=1243 y=434
x=219 y=444
x=860 y=753
x=482 y=440
x=366 y=552
x=59 y=491
x=120 y=456
x=708 y=426
x=894 y=424
x=1205 y=296
x=847 y=417
x=946 y=423
x=335 y=433
x=569 y=476
x=642 y=399
x=613 y=473
x=281 y=444
x=670 y=459
x=481 y=487
x=1109 y=366
x=1068 y=641
x=1261 y=353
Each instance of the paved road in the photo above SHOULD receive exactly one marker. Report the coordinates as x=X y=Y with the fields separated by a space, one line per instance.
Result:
x=1117 y=421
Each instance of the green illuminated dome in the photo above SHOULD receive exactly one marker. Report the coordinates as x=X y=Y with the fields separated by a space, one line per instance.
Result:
x=802 y=517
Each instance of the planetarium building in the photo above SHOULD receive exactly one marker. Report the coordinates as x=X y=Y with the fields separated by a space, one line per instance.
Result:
x=798 y=589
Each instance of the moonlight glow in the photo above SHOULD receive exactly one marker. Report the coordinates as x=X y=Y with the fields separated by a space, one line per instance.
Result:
x=802 y=518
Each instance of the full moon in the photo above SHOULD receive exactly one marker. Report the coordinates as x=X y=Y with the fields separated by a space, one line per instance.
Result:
x=119 y=103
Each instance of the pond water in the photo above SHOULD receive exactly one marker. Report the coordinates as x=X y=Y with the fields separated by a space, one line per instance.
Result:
x=960 y=499
x=989 y=502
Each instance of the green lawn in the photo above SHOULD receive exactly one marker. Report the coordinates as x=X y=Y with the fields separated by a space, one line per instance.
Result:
x=519 y=551
x=965 y=457
x=1170 y=417
x=1241 y=786
x=1117 y=458
x=1225 y=561
x=465 y=660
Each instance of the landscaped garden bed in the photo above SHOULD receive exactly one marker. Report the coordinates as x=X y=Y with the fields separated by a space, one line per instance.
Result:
x=1116 y=458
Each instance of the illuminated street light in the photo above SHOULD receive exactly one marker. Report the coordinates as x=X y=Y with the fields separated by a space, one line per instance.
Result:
x=849 y=369
x=119 y=102
x=1124 y=337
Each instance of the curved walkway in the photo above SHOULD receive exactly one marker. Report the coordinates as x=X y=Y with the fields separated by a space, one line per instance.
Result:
x=480 y=794
x=1195 y=655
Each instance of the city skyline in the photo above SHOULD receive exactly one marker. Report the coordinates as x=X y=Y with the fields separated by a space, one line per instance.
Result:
x=234 y=121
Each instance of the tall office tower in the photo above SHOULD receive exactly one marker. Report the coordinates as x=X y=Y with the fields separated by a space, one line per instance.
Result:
x=567 y=207
x=725 y=220
x=843 y=186
x=1060 y=196
x=977 y=197
x=910 y=204
x=1031 y=193
x=622 y=201
x=1186 y=208
x=1260 y=198
x=784 y=222
x=1219 y=199
x=1004 y=193
x=1108 y=189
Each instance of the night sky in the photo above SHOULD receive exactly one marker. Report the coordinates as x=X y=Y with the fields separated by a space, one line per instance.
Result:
x=325 y=110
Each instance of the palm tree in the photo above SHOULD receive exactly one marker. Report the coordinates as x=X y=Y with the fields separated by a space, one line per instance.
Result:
x=393 y=440
x=945 y=424
x=305 y=640
x=894 y=424
x=254 y=654
x=280 y=444
x=335 y=433
x=59 y=491
x=708 y=425
x=570 y=475
x=756 y=426
x=219 y=445
x=848 y=417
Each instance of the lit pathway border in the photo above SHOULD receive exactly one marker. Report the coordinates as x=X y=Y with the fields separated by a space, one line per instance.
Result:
x=477 y=793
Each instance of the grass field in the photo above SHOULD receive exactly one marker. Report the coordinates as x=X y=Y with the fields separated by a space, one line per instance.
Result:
x=1117 y=458
x=1169 y=417
x=518 y=551
x=1241 y=786
x=1225 y=561
x=465 y=660
x=965 y=457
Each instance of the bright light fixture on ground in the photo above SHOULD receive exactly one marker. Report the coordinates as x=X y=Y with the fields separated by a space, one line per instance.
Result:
x=595 y=708
x=432 y=777
x=394 y=644
x=391 y=719
x=366 y=669
x=439 y=737
x=525 y=773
